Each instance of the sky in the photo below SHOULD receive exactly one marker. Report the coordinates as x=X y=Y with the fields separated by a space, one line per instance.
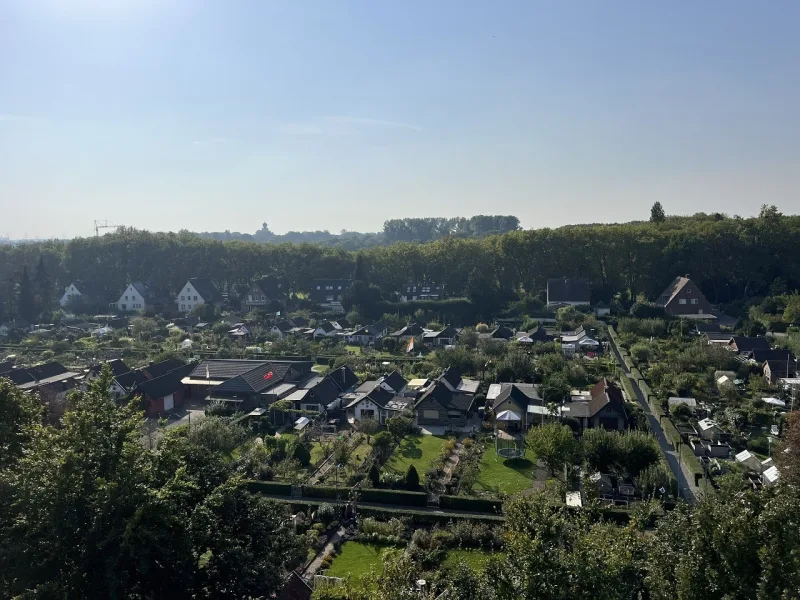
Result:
x=212 y=115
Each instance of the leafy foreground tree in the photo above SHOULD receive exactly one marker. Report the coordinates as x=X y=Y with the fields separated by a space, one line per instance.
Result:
x=87 y=512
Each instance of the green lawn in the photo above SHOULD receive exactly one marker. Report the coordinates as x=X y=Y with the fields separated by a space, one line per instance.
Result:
x=317 y=452
x=354 y=349
x=356 y=559
x=418 y=450
x=511 y=475
x=476 y=559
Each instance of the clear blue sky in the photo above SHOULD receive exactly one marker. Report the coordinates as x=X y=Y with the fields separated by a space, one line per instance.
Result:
x=212 y=115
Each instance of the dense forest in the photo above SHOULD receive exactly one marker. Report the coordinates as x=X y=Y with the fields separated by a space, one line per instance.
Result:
x=731 y=258
x=418 y=230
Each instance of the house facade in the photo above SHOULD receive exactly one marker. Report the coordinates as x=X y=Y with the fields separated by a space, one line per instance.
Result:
x=330 y=292
x=263 y=292
x=196 y=292
x=136 y=298
x=683 y=298
x=83 y=294
x=568 y=291
x=422 y=291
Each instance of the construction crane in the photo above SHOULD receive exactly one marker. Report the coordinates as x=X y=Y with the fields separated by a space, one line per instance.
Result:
x=104 y=224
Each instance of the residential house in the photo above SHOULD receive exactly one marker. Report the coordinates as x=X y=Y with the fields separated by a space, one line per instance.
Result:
x=124 y=384
x=682 y=298
x=537 y=334
x=282 y=328
x=344 y=378
x=779 y=369
x=258 y=384
x=447 y=401
x=708 y=430
x=603 y=406
x=703 y=328
x=745 y=345
x=437 y=339
x=330 y=292
x=83 y=295
x=164 y=393
x=263 y=293
x=377 y=403
x=761 y=356
x=315 y=395
x=500 y=333
x=51 y=381
x=15 y=326
x=578 y=341
x=117 y=367
x=196 y=292
x=404 y=334
x=422 y=291
x=364 y=336
x=567 y=292
x=601 y=309
x=394 y=382
x=300 y=321
x=326 y=329
x=154 y=370
x=517 y=404
x=137 y=297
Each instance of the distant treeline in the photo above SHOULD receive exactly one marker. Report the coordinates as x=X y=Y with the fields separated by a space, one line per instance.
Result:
x=729 y=258
x=394 y=230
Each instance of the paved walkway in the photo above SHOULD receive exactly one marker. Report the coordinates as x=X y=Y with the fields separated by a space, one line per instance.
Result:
x=684 y=477
x=315 y=565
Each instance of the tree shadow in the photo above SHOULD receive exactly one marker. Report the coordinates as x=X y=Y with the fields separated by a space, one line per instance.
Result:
x=410 y=448
x=520 y=465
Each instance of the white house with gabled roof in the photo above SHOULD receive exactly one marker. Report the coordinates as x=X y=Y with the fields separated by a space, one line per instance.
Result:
x=133 y=299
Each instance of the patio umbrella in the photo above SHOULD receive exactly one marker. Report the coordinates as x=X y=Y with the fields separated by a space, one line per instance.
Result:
x=508 y=415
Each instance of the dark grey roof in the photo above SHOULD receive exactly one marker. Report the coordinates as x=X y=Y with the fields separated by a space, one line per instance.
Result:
x=299 y=321
x=708 y=328
x=778 y=354
x=452 y=376
x=256 y=380
x=601 y=304
x=325 y=392
x=781 y=368
x=271 y=286
x=142 y=288
x=206 y=289
x=6 y=366
x=344 y=377
x=366 y=387
x=130 y=380
x=283 y=326
x=117 y=366
x=380 y=396
x=748 y=344
x=224 y=369
x=165 y=384
x=159 y=369
x=439 y=392
x=367 y=330
x=520 y=395
x=395 y=381
x=326 y=326
x=411 y=329
x=37 y=373
x=568 y=290
x=91 y=289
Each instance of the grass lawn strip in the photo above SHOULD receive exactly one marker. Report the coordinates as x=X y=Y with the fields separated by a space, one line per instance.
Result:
x=476 y=559
x=356 y=559
x=509 y=475
x=419 y=450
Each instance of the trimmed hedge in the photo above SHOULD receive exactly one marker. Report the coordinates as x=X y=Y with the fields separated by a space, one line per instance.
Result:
x=673 y=435
x=325 y=491
x=270 y=487
x=393 y=497
x=419 y=517
x=486 y=505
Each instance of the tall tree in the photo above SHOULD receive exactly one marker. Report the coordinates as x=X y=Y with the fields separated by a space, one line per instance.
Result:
x=657 y=214
x=44 y=285
x=554 y=445
x=26 y=302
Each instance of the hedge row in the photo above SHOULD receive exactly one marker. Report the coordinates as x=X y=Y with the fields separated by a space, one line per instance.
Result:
x=471 y=504
x=325 y=491
x=673 y=435
x=419 y=517
x=270 y=487
x=394 y=497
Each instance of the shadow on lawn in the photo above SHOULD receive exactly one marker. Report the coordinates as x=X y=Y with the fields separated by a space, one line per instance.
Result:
x=520 y=465
x=411 y=448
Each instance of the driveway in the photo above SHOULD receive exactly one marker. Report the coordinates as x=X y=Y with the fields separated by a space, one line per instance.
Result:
x=192 y=412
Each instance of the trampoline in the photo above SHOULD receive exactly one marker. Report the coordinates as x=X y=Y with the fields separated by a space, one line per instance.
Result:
x=509 y=447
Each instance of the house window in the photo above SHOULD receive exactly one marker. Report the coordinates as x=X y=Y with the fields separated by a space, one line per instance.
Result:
x=340 y=287
x=453 y=414
x=430 y=414
x=317 y=287
x=126 y=297
x=249 y=297
x=682 y=301
x=367 y=414
x=263 y=298
x=183 y=307
x=195 y=298
x=694 y=300
x=182 y=298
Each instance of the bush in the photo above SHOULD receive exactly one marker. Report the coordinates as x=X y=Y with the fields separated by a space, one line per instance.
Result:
x=412 y=478
x=419 y=517
x=374 y=475
x=326 y=513
x=302 y=455
x=475 y=505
